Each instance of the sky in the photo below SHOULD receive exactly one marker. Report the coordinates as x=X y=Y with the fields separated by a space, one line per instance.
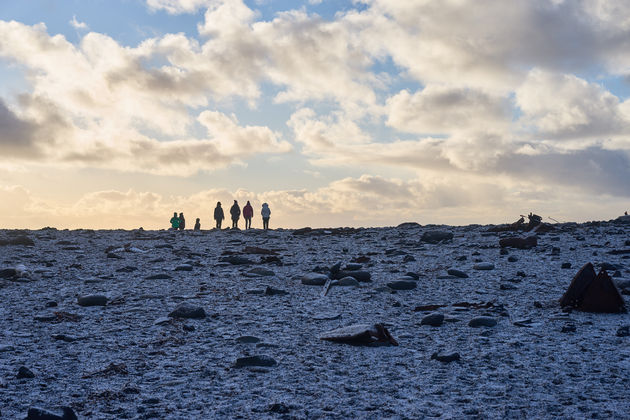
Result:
x=117 y=113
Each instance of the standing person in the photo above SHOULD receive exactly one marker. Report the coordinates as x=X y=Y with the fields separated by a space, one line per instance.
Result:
x=218 y=214
x=174 y=222
x=182 y=221
x=197 y=224
x=235 y=211
x=265 y=212
x=248 y=213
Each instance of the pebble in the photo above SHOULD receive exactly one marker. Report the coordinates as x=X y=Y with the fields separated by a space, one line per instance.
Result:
x=314 y=279
x=261 y=272
x=482 y=321
x=512 y=258
x=92 y=300
x=446 y=357
x=248 y=339
x=457 y=273
x=483 y=266
x=568 y=328
x=270 y=291
x=184 y=267
x=186 y=310
x=402 y=285
x=127 y=269
x=348 y=281
x=51 y=304
x=24 y=373
x=160 y=276
x=435 y=319
x=565 y=265
x=624 y=331
x=353 y=267
x=6 y=348
x=261 y=361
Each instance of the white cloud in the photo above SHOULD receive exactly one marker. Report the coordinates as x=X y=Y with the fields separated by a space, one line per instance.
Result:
x=176 y=7
x=78 y=25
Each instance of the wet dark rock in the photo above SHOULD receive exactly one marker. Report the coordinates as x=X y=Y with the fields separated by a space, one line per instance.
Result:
x=45 y=317
x=484 y=266
x=160 y=276
x=446 y=357
x=260 y=272
x=457 y=273
x=24 y=373
x=482 y=321
x=92 y=300
x=270 y=291
x=7 y=273
x=402 y=285
x=187 y=310
x=436 y=236
x=347 y=281
x=565 y=265
x=623 y=331
x=413 y=275
x=64 y=337
x=188 y=327
x=569 y=328
x=278 y=408
x=361 y=276
x=353 y=267
x=184 y=267
x=409 y=258
x=36 y=413
x=512 y=258
x=314 y=279
x=260 y=361
x=435 y=319
x=114 y=256
x=507 y=286
x=360 y=334
x=127 y=269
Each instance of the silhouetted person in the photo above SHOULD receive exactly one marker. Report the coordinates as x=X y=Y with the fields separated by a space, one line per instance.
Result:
x=182 y=221
x=235 y=212
x=197 y=224
x=174 y=222
x=265 y=213
x=218 y=215
x=248 y=213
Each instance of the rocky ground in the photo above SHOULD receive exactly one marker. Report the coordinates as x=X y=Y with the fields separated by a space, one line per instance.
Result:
x=521 y=356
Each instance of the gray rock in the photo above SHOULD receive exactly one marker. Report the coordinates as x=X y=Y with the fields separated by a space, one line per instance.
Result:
x=92 y=300
x=6 y=348
x=348 y=281
x=353 y=267
x=248 y=339
x=186 y=310
x=7 y=273
x=482 y=321
x=565 y=265
x=457 y=273
x=162 y=320
x=45 y=317
x=402 y=285
x=446 y=357
x=361 y=276
x=483 y=266
x=236 y=260
x=184 y=267
x=435 y=236
x=435 y=319
x=512 y=258
x=623 y=331
x=261 y=361
x=260 y=272
x=160 y=276
x=314 y=279
x=270 y=291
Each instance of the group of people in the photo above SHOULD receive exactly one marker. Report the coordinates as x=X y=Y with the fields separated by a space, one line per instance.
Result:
x=179 y=222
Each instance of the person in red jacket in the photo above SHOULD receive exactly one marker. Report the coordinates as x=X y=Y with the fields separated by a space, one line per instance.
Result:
x=248 y=213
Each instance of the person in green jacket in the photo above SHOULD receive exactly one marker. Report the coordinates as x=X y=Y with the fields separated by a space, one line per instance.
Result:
x=174 y=222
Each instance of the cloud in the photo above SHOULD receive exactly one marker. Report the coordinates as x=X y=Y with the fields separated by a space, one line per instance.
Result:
x=78 y=25
x=176 y=7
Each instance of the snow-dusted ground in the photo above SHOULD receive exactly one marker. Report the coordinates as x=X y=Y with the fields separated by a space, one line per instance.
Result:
x=117 y=362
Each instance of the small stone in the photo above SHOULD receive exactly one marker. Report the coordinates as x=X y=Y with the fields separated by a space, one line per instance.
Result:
x=161 y=276
x=348 y=281
x=568 y=328
x=482 y=321
x=51 y=304
x=184 y=267
x=565 y=265
x=446 y=357
x=127 y=269
x=457 y=273
x=484 y=266
x=236 y=260
x=261 y=361
x=260 y=272
x=409 y=258
x=186 y=310
x=64 y=337
x=7 y=273
x=248 y=339
x=624 y=331
x=435 y=236
x=361 y=276
x=24 y=373
x=435 y=319
x=188 y=327
x=413 y=275
x=402 y=285
x=512 y=258
x=6 y=348
x=353 y=267
x=314 y=279
x=270 y=291
x=114 y=256
x=92 y=300
x=36 y=413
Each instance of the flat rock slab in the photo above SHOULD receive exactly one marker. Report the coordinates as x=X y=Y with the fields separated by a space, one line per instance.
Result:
x=482 y=321
x=484 y=266
x=260 y=272
x=236 y=260
x=248 y=339
x=457 y=273
x=402 y=285
x=160 y=276
x=36 y=413
x=186 y=310
x=435 y=236
x=260 y=361
x=347 y=282
x=92 y=300
x=446 y=357
x=184 y=267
